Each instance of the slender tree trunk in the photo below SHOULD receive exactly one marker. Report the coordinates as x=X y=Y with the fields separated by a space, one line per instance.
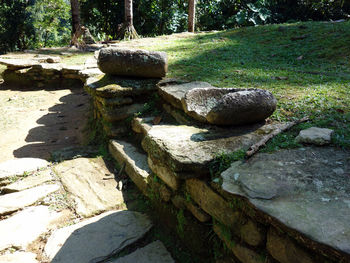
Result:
x=191 y=15
x=128 y=31
x=75 y=16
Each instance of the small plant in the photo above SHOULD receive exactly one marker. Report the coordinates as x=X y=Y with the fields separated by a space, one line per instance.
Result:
x=181 y=222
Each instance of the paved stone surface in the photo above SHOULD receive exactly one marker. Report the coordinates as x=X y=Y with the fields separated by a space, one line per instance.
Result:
x=12 y=202
x=19 y=166
x=173 y=93
x=187 y=150
x=26 y=226
x=135 y=162
x=152 y=253
x=36 y=179
x=84 y=179
x=229 y=106
x=19 y=257
x=96 y=237
x=315 y=135
x=306 y=189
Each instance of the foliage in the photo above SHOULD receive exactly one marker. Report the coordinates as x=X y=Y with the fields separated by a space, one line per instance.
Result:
x=223 y=161
x=51 y=20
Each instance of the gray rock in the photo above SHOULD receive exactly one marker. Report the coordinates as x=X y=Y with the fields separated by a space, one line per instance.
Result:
x=188 y=150
x=135 y=63
x=152 y=253
x=96 y=237
x=26 y=226
x=174 y=92
x=135 y=162
x=15 y=64
x=19 y=257
x=38 y=178
x=12 y=202
x=229 y=106
x=19 y=166
x=300 y=189
x=141 y=125
x=83 y=178
x=315 y=135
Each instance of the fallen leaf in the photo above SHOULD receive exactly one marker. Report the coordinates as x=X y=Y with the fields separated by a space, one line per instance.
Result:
x=300 y=57
x=157 y=120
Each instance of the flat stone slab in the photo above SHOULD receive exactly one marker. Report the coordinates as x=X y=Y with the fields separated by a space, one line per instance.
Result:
x=306 y=189
x=85 y=180
x=12 y=202
x=152 y=253
x=315 y=135
x=106 y=86
x=15 y=64
x=19 y=166
x=31 y=181
x=96 y=237
x=173 y=93
x=135 y=162
x=19 y=257
x=188 y=150
x=26 y=226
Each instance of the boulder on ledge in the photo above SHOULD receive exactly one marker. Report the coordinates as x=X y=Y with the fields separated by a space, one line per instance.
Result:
x=229 y=106
x=135 y=63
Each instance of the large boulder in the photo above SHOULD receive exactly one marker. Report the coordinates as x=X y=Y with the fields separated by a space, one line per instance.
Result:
x=135 y=63
x=229 y=106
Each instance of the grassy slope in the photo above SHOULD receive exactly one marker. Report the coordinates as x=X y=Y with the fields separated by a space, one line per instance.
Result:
x=253 y=57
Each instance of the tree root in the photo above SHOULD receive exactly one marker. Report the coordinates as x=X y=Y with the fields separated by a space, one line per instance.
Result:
x=127 y=32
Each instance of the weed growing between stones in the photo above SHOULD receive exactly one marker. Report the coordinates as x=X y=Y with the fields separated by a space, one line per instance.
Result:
x=222 y=162
x=181 y=220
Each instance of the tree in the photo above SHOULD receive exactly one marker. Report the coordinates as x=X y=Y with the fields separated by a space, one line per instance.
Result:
x=191 y=15
x=127 y=30
x=75 y=16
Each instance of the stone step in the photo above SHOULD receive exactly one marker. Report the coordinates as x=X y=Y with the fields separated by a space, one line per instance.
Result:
x=19 y=257
x=97 y=237
x=19 y=166
x=26 y=226
x=135 y=162
x=12 y=202
x=154 y=252
x=90 y=184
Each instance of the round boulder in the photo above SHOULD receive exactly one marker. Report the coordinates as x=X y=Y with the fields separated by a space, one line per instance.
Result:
x=229 y=106
x=134 y=63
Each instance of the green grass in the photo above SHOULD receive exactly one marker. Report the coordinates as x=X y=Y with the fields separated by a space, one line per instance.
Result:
x=318 y=85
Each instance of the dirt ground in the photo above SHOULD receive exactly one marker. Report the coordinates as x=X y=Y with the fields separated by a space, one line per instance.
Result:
x=35 y=122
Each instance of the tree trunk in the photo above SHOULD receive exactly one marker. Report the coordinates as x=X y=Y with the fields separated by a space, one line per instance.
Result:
x=191 y=15
x=75 y=16
x=128 y=31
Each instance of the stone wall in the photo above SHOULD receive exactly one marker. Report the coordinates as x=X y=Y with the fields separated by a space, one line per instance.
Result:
x=171 y=166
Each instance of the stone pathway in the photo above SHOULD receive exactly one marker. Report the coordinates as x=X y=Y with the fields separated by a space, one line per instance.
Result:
x=73 y=211
x=69 y=212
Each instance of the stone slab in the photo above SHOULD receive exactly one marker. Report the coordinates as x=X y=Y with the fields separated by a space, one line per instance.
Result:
x=135 y=162
x=26 y=226
x=31 y=181
x=15 y=64
x=306 y=189
x=188 y=150
x=19 y=166
x=96 y=237
x=152 y=253
x=19 y=257
x=84 y=180
x=112 y=86
x=12 y=202
x=315 y=135
x=173 y=93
